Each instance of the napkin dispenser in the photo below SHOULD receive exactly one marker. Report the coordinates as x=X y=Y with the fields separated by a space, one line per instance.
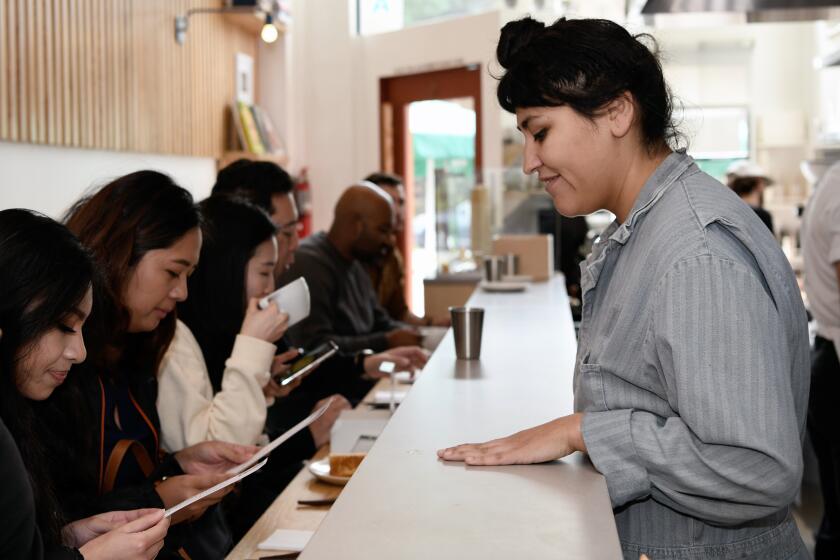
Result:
x=354 y=427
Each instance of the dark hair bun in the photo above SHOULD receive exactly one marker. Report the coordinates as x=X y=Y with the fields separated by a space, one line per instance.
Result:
x=515 y=37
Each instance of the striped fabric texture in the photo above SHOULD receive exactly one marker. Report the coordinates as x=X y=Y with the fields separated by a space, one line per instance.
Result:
x=693 y=372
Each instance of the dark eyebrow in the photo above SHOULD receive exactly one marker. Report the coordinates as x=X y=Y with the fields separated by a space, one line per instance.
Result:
x=524 y=124
x=183 y=262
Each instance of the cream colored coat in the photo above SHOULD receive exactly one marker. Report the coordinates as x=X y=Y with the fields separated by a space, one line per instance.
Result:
x=189 y=411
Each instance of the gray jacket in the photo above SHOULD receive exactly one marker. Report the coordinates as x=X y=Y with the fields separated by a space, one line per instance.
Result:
x=693 y=372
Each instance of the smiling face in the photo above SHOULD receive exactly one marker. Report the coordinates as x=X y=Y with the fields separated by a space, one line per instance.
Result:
x=376 y=237
x=159 y=281
x=46 y=364
x=259 y=274
x=572 y=155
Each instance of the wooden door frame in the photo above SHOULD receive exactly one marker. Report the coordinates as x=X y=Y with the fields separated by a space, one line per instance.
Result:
x=396 y=156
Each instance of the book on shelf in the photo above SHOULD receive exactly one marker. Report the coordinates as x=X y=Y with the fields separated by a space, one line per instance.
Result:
x=255 y=131
x=237 y=127
x=253 y=142
x=270 y=136
x=259 y=115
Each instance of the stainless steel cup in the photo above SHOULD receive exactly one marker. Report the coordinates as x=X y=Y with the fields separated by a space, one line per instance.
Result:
x=510 y=263
x=466 y=327
x=493 y=268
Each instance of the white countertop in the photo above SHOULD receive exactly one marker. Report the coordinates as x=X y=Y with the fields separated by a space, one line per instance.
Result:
x=405 y=503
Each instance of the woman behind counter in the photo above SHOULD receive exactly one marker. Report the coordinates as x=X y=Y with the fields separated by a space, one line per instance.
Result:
x=691 y=377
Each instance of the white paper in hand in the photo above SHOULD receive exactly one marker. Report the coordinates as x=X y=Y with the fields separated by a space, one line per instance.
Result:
x=213 y=489
x=285 y=539
x=265 y=450
x=293 y=298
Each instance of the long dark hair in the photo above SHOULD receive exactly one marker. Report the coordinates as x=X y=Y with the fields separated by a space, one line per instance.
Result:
x=44 y=274
x=232 y=230
x=120 y=223
x=585 y=64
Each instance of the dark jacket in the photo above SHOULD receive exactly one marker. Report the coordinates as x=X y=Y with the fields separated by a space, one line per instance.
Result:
x=72 y=422
x=344 y=305
x=20 y=537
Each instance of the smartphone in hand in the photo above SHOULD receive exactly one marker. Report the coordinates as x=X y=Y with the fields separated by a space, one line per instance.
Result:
x=306 y=363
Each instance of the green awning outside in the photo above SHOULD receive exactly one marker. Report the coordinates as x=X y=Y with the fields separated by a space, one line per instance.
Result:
x=455 y=153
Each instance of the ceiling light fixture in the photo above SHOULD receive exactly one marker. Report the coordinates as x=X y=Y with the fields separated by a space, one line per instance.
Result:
x=269 y=33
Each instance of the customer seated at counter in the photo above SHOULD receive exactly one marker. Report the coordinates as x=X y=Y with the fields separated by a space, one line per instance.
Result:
x=100 y=428
x=268 y=186
x=215 y=381
x=345 y=307
x=387 y=273
x=691 y=377
x=46 y=278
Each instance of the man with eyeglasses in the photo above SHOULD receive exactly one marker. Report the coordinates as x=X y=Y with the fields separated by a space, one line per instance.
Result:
x=268 y=186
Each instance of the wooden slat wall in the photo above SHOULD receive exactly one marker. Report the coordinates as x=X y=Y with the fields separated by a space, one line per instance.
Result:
x=108 y=74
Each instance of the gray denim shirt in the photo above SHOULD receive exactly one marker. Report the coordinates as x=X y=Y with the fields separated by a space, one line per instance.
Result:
x=693 y=373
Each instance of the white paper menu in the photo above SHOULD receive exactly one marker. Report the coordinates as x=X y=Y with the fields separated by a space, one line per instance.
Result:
x=213 y=489
x=265 y=450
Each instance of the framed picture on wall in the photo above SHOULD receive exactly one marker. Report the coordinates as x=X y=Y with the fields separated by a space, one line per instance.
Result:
x=244 y=79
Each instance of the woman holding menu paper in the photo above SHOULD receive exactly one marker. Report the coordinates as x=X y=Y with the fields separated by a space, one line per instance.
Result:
x=691 y=378
x=215 y=379
x=102 y=425
x=42 y=321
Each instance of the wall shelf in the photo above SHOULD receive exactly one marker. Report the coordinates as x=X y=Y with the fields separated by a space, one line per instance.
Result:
x=252 y=22
x=229 y=157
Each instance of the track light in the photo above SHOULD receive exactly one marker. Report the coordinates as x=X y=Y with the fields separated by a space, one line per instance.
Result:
x=269 y=33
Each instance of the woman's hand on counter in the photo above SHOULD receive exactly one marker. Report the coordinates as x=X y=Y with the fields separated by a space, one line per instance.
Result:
x=539 y=444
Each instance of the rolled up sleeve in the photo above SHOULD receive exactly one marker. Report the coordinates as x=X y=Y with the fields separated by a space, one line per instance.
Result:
x=731 y=450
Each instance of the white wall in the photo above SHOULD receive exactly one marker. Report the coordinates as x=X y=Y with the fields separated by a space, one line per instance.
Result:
x=765 y=67
x=336 y=76
x=49 y=179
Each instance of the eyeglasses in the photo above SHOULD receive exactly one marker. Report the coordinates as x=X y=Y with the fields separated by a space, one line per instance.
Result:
x=290 y=229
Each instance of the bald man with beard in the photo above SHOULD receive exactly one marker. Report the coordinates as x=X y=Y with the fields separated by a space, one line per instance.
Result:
x=345 y=307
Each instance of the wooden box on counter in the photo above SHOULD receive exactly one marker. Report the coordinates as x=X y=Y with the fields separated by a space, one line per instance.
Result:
x=536 y=253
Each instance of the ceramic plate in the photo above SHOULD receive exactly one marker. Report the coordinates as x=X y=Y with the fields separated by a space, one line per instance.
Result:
x=321 y=471
x=503 y=286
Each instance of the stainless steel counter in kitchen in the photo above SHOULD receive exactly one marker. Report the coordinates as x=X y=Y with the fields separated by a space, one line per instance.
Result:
x=405 y=503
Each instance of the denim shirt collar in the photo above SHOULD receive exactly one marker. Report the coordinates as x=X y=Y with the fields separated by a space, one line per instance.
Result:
x=618 y=233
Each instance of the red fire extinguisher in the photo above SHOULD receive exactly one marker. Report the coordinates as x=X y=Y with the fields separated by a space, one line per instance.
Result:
x=303 y=197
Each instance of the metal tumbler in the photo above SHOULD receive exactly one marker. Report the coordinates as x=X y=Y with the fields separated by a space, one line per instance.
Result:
x=510 y=262
x=466 y=328
x=493 y=268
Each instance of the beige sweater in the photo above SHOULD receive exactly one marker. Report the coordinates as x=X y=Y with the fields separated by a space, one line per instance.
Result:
x=189 y=411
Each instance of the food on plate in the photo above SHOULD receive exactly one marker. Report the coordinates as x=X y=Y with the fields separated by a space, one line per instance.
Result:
x=345 y=464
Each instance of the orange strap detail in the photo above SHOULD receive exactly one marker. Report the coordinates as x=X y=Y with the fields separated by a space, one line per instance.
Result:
x=118 y=454
x=148 y=422
x=108 y=474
